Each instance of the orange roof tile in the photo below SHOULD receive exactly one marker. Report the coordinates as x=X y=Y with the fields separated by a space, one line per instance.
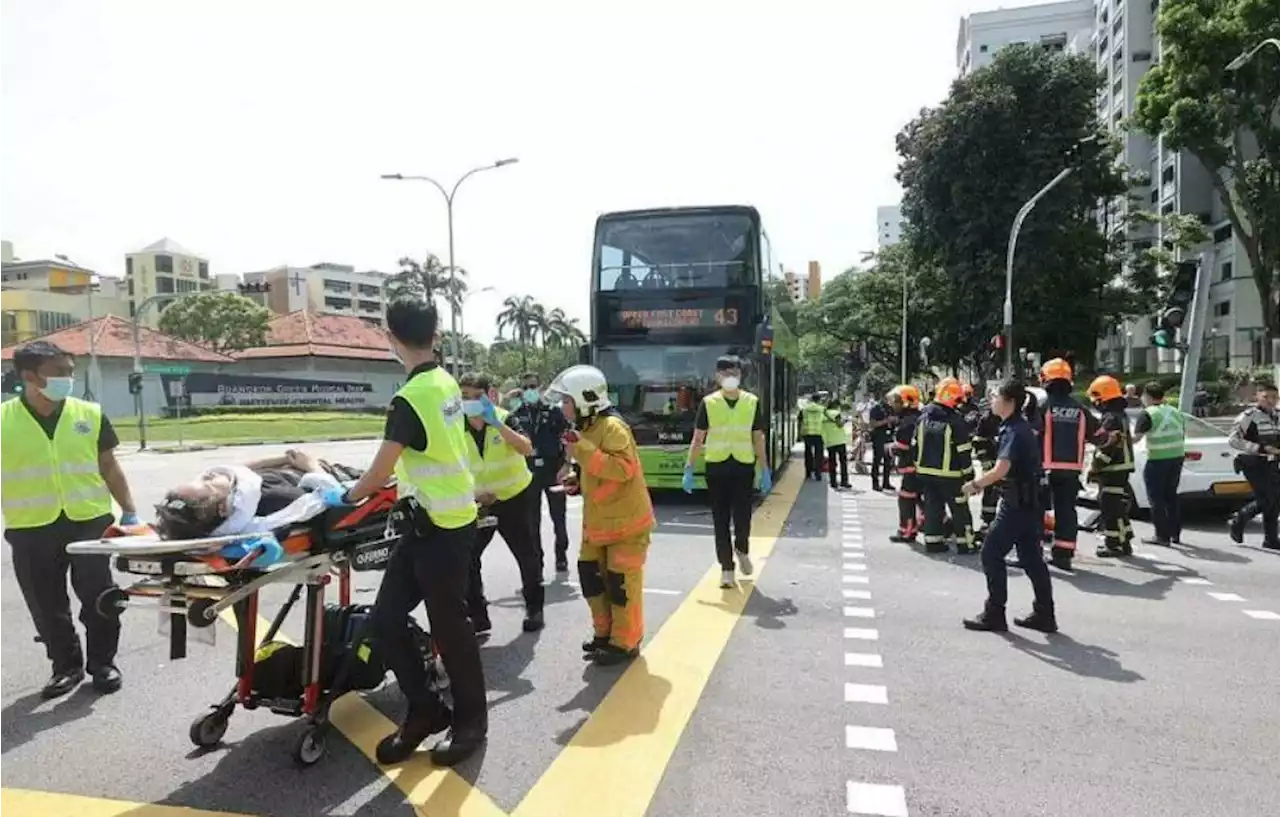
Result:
x=305 y=333
x=113 y=337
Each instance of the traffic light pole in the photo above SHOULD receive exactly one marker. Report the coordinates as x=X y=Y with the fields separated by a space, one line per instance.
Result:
x=137 y=358
x=1195 y=332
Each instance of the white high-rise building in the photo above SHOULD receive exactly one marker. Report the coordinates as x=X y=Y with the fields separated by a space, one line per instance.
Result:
x=1059 y=27
x=888 y=225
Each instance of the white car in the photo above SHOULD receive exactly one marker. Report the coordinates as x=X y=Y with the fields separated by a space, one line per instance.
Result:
x=1207 y=470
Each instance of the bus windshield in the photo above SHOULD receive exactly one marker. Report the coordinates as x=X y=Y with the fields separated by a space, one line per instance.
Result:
x=657 y=389
x=686 y=250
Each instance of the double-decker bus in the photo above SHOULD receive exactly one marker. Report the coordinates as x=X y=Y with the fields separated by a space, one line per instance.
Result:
x=671 y=291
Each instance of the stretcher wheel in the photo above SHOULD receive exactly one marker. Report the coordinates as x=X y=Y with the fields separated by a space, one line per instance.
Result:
x=196 y=609
x=208 y=729
x=111 y=602
x=311 y=747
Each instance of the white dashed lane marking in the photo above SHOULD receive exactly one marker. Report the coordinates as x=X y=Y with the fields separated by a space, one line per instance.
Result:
x=875 y=738
x=849 y=593
x=876 y=799
x=1226 y=596
x=863 y=659
x=1262 y=615
x=859 y=612
x=847 y=579
x=865 y=694
x=1193 y=580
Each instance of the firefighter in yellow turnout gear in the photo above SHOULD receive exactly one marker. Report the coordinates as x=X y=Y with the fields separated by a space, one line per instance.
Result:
x=617 y=515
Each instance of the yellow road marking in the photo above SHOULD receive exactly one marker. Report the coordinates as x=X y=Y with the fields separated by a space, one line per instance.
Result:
x=27 y=803
x=430 y=789
x=623 y=749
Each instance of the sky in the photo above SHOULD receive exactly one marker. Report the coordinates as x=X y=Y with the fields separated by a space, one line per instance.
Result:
x=254 y=132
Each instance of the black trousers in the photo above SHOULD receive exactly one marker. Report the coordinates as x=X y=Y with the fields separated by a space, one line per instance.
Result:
x=1064 y=491
x=813 y=455
x=839 y=453
x=880 y=464
x=941 y=494
x=1264 y=478
x=909 y=504
x=1161 y=478
x=515 y=523
x=543 y=480
x=990 y=497
x=433 y=570
x=41 y=564
x=1019 y=528
x=731 y=494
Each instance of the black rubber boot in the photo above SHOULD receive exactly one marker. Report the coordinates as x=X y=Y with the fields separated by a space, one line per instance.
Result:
x=1061 y=558
x=419 y=724
x=1041 y=618
x=610 y=655
x=990 y=620
x=596 y=643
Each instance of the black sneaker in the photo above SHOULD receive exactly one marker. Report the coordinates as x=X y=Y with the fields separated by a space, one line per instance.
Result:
x=1041 y=619
x=106 y=679
x=988 y=621
x=533 y=622
x=61 y=684
x=1236 y=529
x=458 y=745
x=562 y=565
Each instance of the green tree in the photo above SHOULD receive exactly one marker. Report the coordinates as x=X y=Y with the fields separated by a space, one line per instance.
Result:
x=221 y=321
x=969 y=165
x=1228 y=120
x=778 y=296
x=427 y=280
x=521 y=315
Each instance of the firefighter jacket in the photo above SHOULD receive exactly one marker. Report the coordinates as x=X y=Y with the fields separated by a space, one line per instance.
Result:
x=1067 y=425
x=985 y=437
x=1114 y=442
x=942 y=445
x=615 y=498
x=904 y=436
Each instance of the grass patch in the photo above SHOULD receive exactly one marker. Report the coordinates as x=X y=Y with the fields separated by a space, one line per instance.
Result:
x=252 y=428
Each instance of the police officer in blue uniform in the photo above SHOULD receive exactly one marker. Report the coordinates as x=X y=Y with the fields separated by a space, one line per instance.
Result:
x=1019 y=521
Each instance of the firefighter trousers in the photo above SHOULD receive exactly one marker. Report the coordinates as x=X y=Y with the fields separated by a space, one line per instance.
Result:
x=612 y=578
x=940 y=495
x=908 y=505
x=1064 y=486
x=1113 y=501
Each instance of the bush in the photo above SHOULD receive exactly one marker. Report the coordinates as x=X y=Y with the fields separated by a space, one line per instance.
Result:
x=240 y=411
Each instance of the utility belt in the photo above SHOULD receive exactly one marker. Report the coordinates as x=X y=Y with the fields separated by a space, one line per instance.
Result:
x=1253 y=462
x=409 y=518
x=1021 y=495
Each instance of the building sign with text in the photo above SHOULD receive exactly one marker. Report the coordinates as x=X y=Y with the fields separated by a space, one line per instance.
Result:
x=206 y=389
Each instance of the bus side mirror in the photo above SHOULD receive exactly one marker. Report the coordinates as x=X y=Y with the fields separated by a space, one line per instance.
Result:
x=584 y=354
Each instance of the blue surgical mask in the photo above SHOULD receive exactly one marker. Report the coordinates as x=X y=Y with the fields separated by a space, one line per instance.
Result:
x=58 y=389
x=531 y=396
x=472 y=408
x=513 y=404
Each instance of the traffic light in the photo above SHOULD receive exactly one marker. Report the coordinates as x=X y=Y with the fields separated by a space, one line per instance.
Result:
x=1181 y=293
x=254 y=287
x=135 y=382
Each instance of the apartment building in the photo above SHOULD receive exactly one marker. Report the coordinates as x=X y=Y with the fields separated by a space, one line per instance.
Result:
x=163 y=268
x=888 y=225
x=44 y=295
x=324 y=287
x=1059 y=27
x=804 y=287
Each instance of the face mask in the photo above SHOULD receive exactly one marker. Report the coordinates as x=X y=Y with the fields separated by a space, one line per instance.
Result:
x=730 y=382
x=58 y=389
x=531 y=396
x=472 y=408
x=513 y=404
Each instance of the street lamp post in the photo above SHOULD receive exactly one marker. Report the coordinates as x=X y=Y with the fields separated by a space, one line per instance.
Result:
x=1239 y=62
x=904 y=324
x=137 y=357
x=454 y=305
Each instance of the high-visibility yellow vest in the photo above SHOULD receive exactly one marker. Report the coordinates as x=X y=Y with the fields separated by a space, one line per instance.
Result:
x=500 y=470
x=1167 y=438
x=44 y=478
x=833 y=433
x=729 y=427
x=811 y=420
x=440 y=477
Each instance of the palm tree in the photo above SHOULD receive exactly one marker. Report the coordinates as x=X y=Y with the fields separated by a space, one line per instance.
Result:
x=563 y=330
x=520 y=315
x=426 y=280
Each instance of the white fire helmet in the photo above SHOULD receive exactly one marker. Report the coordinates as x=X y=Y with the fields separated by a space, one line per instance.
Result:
x=585 y=385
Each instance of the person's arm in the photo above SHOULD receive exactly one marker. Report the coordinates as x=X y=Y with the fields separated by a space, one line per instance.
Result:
x=611 y=460
x=380 y=470
x=109 y=468
x=998 y=472
x=512 y=437
x=1141 y=426
x=700 y=426
x=1237 y=437
x=757 y=436
x=403 y=430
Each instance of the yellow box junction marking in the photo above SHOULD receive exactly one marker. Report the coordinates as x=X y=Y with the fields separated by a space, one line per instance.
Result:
x=614 y=763
x=27 y=803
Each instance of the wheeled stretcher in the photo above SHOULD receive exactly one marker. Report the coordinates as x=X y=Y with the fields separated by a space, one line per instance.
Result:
x=192 y=582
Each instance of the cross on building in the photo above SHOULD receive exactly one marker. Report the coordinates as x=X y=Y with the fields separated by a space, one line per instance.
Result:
x=297 y=281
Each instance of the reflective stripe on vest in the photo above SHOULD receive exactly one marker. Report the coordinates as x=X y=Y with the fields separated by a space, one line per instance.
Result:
x=439 y=478
x=811 y=417
x=1167 y=438
x=1051 y=440
x=499 y=470
x=833 y=430
x=44 y=478
x=922 y=435
x=729 y=428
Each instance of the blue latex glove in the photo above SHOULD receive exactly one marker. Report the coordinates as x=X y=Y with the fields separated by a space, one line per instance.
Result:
x=272 y=552
x=766 y=481
x=687 y=482
x=489 y=412
x=128 y=518
x=333 y=496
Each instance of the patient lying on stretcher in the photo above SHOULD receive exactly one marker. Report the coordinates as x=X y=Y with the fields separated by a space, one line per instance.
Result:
x=257 y=497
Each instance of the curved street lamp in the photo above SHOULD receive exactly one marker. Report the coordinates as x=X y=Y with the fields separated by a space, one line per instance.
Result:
x=1244 y=57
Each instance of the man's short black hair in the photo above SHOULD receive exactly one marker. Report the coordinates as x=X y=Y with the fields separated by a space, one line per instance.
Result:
x=32 y=356
x=476 y=380
x=1155 y=389
x=727 y=362
x=413 y=322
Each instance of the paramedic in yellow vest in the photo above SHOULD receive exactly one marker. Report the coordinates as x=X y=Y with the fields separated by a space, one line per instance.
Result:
x=504 y=488
x=729 y=427
x=59 y=476
x=1165 y=428
x=425 y=446
x=617 y=515
x=836 y=441
x=811 y=414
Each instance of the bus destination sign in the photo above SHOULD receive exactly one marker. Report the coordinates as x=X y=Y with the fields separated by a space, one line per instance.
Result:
x=660 y=319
